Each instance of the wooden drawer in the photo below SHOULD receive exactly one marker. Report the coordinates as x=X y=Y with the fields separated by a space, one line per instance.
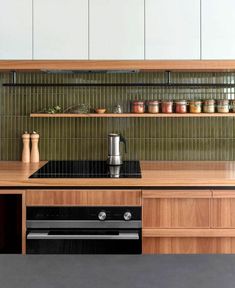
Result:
x=187 y=245
x=83 y=197
x=188 y=241
x=114 y=197
x=223 y=209
x=55 y=197
x=176 y=209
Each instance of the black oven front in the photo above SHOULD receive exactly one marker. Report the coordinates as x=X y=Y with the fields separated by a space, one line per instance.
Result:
x=84 y=230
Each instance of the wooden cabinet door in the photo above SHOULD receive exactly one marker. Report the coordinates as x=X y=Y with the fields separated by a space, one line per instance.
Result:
x=218 y=33
x=116 y=29
x=60 y=29
x=172 y=29
x=176 y=209
x=16 y=30
x=223 y=209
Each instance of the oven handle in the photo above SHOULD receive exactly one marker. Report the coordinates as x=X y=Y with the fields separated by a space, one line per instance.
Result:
x=46 y=236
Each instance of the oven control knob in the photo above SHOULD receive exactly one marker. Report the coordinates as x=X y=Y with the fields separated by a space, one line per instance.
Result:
x=127 y=216
x=102 y=216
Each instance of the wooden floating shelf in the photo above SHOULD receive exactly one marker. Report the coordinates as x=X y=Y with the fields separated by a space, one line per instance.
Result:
x=130 y=115
x=142 y=65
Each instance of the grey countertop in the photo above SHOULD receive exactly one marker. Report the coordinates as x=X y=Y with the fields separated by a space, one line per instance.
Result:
x=101 y=271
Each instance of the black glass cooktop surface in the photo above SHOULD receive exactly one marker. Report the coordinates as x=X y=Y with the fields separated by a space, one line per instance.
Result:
x=88 y=169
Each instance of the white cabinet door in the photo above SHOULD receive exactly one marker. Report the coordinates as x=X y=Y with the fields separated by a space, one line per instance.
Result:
x=172 y=29
x=116 y=29
x=60 y=29
x=218 y=29
x=15 y=29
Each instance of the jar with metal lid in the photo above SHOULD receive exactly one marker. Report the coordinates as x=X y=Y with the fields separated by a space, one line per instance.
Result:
x=167 y=106
x=181 y=106
x=195 y=106
x=153 y=106
x=209 y=106
x=223 y=106
x=138 y=106
x=232 y=106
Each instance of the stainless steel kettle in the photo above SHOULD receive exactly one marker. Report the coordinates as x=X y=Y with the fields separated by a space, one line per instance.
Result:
x=114 y=155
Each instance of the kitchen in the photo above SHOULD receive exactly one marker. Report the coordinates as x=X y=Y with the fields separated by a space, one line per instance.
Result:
x=117 y=142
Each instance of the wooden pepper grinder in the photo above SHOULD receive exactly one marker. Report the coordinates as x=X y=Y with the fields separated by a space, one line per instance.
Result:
x=26 y=147
x=34 y=150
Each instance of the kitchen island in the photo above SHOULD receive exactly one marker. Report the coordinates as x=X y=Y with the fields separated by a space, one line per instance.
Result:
x=86 y=271
x=187 y=207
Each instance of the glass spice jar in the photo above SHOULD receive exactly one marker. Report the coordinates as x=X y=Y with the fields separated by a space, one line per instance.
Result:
x=195 y=106
x=137 y=106
x=153 y=106
x=232 y=106
x=223 y=106
x=181 y=106
x=167 y=106
x=209 y=106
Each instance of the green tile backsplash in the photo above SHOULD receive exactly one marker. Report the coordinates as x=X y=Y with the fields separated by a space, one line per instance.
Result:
x=84 y=138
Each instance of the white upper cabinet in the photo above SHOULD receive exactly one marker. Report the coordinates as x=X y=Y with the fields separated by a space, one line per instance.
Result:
x=172 y=29
x=60 y=29
x=116 y=29
x=15 y=29
x=218 y=29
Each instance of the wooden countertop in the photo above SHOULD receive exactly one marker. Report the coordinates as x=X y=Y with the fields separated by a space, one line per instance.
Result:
x=154 y=174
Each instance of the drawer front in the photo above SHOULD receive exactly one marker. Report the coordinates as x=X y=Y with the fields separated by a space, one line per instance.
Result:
x=176 y=209
x=114 y=197
x=188 y=245
x=55 y=197
x=83 y=197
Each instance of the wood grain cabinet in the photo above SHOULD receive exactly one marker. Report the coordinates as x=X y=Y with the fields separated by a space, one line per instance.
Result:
x=172 y=29
x=172 y=220
x=60 y=29
x=176 y=209
x=83 y=197
x=189 y=221
x=16 y=30
x=116 y=29
x=223 y=209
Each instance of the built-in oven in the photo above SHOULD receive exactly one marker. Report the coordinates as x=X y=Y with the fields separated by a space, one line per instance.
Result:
x=83 y=230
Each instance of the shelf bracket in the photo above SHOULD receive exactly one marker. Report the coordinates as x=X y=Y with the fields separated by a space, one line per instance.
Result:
x=14 y=77
x=168 y=77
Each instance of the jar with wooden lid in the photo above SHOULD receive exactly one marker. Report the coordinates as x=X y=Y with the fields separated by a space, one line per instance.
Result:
x=167 y=106
x=153 y=106
x=209 y=106
x=195 y=106
x=232 y=106
x=137 y=106
x=181 y=106
x=223 y=106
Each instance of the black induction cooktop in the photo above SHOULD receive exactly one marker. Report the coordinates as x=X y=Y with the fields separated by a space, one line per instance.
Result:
x=88 y=169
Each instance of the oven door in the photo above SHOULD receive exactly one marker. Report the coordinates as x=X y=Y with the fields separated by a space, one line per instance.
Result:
x=84 y=241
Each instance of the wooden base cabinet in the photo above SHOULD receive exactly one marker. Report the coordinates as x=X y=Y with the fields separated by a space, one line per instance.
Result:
x=188 y=222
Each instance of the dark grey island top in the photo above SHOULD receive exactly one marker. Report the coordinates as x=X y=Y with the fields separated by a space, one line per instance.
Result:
x=99 y=271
